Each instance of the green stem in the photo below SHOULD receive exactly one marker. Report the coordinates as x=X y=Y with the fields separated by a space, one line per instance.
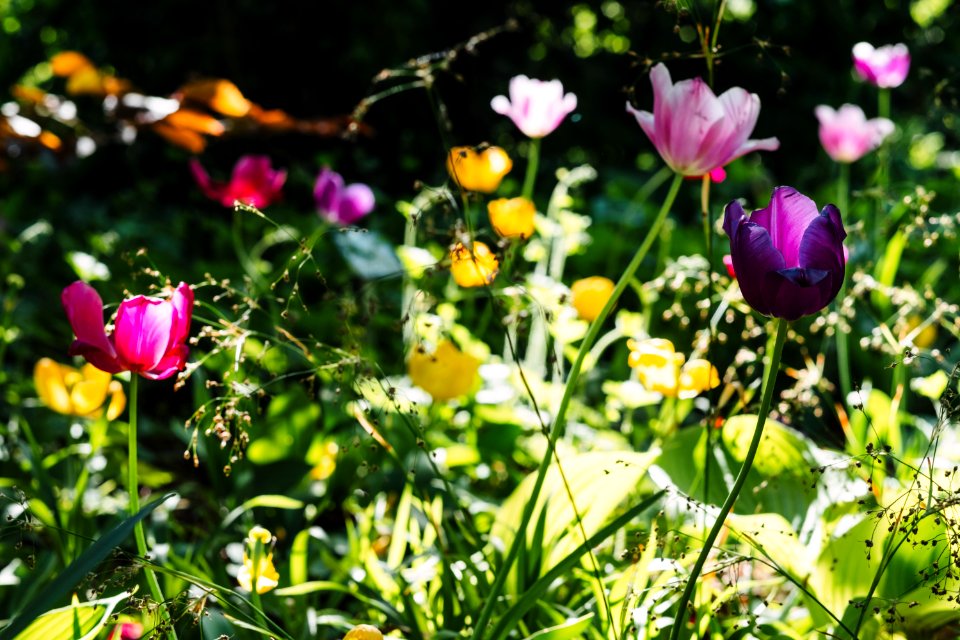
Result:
x=134 y=491
x=770 y=379
x=708 y=240
x=883 y=103
x=558 y=423
x=533 y=162
x=843 y=338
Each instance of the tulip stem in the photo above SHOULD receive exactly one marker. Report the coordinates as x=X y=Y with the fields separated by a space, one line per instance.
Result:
x=133 y=490
x=843 y=339
x=533 y=162
x=557 y=429
x=769 y=382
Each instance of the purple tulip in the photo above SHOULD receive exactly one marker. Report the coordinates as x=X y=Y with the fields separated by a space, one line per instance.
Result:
x=885 y=67
x=788 y=258
x=339 y=204
x=847 y=135
x=696 y=132
x=537 y=107
x=149 y=335
x=253 y=182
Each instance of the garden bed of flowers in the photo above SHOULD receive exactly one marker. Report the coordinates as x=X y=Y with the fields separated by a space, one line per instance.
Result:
x=635 y=320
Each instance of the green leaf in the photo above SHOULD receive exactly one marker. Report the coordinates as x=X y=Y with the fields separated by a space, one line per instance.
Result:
x=268 y=500
x=78 y=569
x=78 y=621
x=569 y=629
x=782 y=451
x=599 y=483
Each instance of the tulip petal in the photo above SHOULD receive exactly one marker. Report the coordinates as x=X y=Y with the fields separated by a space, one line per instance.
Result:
x=143 y=331
x=501 y=105
x=646 y=122
x=786 y=218
x=753 y=254
x=182 y=301
x=84 y=309
x=794 y=293
x=357 y=202
x=213 y=190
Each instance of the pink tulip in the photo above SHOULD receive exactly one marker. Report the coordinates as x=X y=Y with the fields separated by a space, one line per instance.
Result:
x=149 y=335
x=339 y=203
x=253 y=182
x=537 y=107
x=884 y=67
x=847 y=135
x=696 y=132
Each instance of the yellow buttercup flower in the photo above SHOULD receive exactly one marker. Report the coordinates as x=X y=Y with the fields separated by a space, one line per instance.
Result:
x=475 y=268
x=590 y=295
x=512 y=217
x=446 y=373
x=78 y=392
x=364 y=632
x=478 y=169
x=258 y=562
x=662 y=370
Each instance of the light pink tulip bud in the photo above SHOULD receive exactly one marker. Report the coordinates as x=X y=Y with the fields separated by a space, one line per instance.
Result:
x=537 y=107
x=847 y=135
x=885 y=67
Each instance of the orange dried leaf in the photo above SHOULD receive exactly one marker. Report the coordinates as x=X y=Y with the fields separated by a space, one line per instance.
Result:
x=220 y=95
x=184 y=138
x=195 y=121
x=50 y=141
x=67 y=63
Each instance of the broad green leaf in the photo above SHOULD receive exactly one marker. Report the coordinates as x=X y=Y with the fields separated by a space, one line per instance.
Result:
x=599 y=483
x=771 y=536
x=782 y=450
x=78 y=569
x=570 y=629
x=78 y=621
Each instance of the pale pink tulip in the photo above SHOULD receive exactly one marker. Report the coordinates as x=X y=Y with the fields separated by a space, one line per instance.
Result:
x=695 y=131
x=537 y=107
x=885 y=67
x=149 y=335
x=847 y=135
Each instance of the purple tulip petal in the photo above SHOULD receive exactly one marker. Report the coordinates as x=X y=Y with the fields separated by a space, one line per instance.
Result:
x=327 y=193
x=143 y=330
x=84 y=309
x=786 y=217
x=794 y=293
x=754 y=256
x=174 y=361
x=357 y=202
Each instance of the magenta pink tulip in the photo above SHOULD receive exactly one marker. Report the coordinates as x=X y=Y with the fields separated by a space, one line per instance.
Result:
x=885 y=67
x=149 y=335
x=253 y=182
x=537 y=107
x=696 y=132
x=847 y=135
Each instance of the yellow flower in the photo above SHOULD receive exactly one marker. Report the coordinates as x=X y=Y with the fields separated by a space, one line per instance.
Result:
x=78 y=392
x=446 y=373
x=590 y=295
x=662 y=370
x=327 y=462
x=364 y=632
x=512 y=218
x=258 y=562
x=473 y=269
x=481 y=170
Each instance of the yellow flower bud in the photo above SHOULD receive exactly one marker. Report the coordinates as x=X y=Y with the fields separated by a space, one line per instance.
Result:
x=364 y=632
x=446 y=373
x=478 y=170
x=258 y=562
x=512 y=218
x=590 y=295
x=473 y=269
x=697 y=376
